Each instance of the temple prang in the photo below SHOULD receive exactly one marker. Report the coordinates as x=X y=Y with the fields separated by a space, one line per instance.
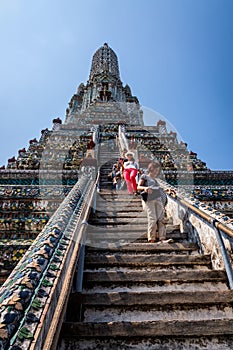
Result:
x=104 y=90
x=75 y=267
x=30 y=189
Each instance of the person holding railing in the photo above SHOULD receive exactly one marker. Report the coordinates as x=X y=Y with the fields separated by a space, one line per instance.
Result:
x=153 y=204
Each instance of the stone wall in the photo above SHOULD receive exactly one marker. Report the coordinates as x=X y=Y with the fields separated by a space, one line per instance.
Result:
x=200 y=231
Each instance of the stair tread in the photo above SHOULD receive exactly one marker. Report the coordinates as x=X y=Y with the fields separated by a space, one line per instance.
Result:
x=145 y=259
x=185 y=286
x=118 y=207
x=121 y=200
x=149 y=328
x=154 y=313
x=153 y=276
x=131 y=228
x=153 y=298
x=137 y=234
x=149 y=247
x=121 y=215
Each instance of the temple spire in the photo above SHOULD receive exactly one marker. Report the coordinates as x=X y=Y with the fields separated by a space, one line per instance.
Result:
x=104 y=61
x=103 y=90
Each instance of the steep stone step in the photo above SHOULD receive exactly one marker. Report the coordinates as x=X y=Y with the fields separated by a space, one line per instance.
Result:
x=180 y=287
x=138 y=236
x=137 y=220
x=192 y=327
x=104 y=174
x=93 y=260
x=145 y=313
x=119 y=197
x=121 y=216
x=107 y=162
x=101 y=209
x=118 y=221
x=150 y=275
x=104 y=208
x=103 y=242
x=105 y=179
x=106 y=184
x=127 y=234
x=106 y=152
x=106 y=166
x=107 y=155
x=152 y=298
x=146 y=247
x=117 y=214
x=105 y=169
x=118 y=205
x=131 y=229
x=223 y=342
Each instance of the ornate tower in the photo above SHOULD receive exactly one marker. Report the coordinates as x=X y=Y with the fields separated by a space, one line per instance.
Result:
x=104 y=94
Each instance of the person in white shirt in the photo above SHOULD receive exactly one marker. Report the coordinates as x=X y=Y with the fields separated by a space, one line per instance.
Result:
x=153 y=204
x=130 y=172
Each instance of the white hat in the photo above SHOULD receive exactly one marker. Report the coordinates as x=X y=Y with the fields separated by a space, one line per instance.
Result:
x=129 y=153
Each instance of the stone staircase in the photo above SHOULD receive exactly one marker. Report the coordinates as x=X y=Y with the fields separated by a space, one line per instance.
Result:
x=107 y=158
x=138 y=295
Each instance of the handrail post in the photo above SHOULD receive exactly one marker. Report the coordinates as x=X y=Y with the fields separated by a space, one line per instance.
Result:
x=226 y=260
x=122 y=139
x=217 y=226
x=80 y=268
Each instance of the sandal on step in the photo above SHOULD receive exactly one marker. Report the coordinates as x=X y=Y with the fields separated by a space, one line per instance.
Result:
x=170 y=240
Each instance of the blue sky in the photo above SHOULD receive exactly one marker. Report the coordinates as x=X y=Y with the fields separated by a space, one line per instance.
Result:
x=176 y=55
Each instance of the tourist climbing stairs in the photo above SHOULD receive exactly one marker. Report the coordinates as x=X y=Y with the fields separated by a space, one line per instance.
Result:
x=140 y=295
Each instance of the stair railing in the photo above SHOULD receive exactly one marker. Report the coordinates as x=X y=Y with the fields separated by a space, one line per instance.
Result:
x=95 y=138
x=204 y=225
x=33 y=299
x=123 y=142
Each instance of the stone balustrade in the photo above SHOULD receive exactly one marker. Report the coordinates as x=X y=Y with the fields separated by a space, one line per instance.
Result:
x=29 y=296
x=201 y=222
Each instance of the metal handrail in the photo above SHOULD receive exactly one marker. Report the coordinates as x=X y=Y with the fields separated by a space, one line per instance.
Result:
x=225 y=256
x=219 y=229
x=207 y=217
x=122 y=139
x=97 y=190
x=212 y=220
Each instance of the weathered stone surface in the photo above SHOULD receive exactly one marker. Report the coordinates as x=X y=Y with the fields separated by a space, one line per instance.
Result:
x=94 y=260
x=148 y=329
x=145 y=247
x=153 y=298
x=155 y=343
x=155 y=276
